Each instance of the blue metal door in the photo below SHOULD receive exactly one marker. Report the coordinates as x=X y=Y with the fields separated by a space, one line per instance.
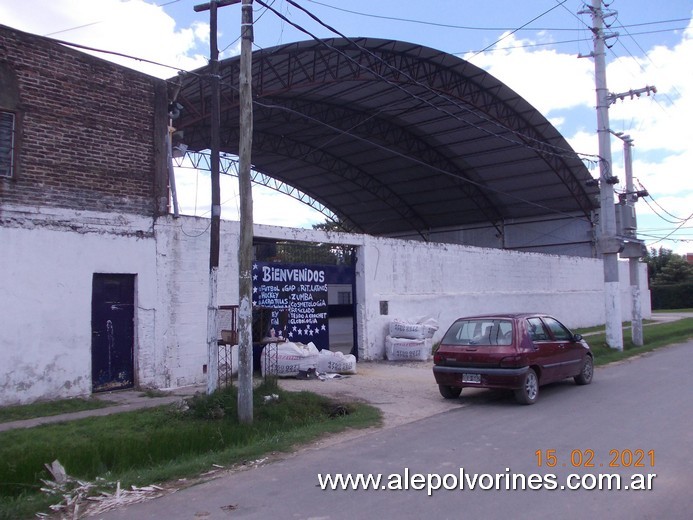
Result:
x=112 y=329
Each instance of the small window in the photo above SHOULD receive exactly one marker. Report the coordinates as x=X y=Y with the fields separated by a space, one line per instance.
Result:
x=560 y=333
x=483 y=331
x=7 y=125
x=537 y=330
x=344 y=297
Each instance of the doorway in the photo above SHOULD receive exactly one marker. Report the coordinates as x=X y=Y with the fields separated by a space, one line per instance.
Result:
x=112 y=331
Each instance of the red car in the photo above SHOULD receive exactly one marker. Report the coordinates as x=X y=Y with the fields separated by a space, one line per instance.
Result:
x=519 y=352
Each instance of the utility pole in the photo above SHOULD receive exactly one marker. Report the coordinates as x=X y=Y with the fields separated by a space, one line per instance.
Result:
x=634 y=249
x=245 y=251
x=215 y=122
x=633 y=263
x=608 y=244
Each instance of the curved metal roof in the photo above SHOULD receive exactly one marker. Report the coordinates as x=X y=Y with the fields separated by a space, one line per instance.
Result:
x=394 y=137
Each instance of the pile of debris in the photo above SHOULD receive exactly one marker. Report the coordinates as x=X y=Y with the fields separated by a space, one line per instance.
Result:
x=80 y=497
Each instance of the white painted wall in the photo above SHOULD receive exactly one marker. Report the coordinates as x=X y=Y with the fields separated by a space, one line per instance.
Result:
x=449 y=281
x=183 y=280
x=49 y=257
x=47 y=263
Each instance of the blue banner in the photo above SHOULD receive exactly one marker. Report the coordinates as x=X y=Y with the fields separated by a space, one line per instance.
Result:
x=297 y=297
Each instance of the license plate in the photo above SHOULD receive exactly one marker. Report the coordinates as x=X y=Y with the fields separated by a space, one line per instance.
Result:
x=471 y=378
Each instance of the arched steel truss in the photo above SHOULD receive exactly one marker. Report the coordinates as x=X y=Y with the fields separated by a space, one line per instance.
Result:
x=393 y=137
x=229 y=166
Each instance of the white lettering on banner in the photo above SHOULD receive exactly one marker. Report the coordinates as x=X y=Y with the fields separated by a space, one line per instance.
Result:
x=280 y=274
x=302 y=291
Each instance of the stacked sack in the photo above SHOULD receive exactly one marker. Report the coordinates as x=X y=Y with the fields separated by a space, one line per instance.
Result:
x=410 y=340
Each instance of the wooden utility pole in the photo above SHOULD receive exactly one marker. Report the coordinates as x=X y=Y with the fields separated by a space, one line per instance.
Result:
x=215 y=122
x=245 y=251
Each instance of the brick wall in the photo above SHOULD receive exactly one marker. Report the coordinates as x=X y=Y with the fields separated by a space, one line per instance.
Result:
x=90 y=134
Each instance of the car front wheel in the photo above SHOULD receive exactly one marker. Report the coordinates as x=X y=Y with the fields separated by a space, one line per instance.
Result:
x=450 y=392
x=585 y=375
x=529 y=391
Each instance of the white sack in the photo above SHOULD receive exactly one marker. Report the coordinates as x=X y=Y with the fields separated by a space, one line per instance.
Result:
x=336 y=363
x=288 y=359
x=406 y=349
x=416 y=329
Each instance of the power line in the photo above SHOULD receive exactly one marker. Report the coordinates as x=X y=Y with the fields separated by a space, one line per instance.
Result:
x=470 y=27
x=114 y=53
x=539 y=148
x=561 y=42
x=510 y=33
x=678 y=219
x=677 y=228
x=388 y=149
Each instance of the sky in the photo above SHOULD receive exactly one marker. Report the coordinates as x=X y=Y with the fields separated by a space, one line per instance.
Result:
x=540 y=49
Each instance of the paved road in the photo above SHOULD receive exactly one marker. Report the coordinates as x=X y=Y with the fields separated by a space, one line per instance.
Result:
x=645 y=403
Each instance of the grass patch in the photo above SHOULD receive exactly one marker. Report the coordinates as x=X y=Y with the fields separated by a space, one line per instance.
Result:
x=156 y=445
x=655 y=335
x=590 y=331
x=49 y=408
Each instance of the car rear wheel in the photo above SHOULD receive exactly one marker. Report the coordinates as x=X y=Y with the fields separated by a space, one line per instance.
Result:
x=585 y=375
x=450 y=392
x=529 y=391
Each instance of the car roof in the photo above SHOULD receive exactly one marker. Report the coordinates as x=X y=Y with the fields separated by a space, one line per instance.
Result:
x=512 y=315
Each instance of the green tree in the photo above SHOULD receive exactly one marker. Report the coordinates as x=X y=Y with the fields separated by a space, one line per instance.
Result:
x=666 y=267
x=676 y=270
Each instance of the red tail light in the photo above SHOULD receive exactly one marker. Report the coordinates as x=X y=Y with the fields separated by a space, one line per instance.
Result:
x=511 y=362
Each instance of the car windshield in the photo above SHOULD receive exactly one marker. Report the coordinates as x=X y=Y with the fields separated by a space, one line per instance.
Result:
x=480 y=331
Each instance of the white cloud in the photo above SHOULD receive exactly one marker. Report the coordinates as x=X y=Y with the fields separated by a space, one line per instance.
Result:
x=131 y=27
x=546 y=78
x=663 y=156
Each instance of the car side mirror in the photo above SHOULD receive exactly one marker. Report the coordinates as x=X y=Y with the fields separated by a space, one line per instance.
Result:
x=577 y=337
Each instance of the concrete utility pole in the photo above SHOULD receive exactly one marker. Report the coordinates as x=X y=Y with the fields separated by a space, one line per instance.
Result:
x=609 y=244
x=633 y=263
x=634 y=249
x=245 y=251
x=215 y=118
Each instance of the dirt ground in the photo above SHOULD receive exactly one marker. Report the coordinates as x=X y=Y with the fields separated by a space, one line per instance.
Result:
x=404 y=391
